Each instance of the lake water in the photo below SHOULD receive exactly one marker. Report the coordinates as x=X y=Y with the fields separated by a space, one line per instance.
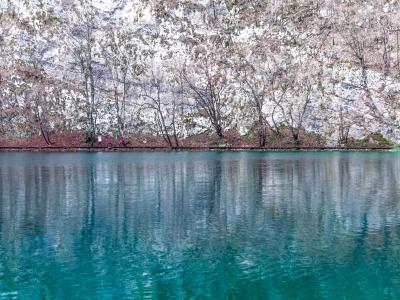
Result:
x=245 y=225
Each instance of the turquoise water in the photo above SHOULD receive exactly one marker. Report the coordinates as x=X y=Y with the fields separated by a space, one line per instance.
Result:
x=200 y=226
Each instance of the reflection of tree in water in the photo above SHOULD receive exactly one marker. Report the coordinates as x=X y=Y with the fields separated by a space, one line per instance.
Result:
x=210 y=225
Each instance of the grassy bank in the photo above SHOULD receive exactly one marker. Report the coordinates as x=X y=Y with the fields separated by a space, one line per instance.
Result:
x=75 y=141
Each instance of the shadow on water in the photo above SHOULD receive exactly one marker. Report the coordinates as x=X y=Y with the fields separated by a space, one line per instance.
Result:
x=200 y=225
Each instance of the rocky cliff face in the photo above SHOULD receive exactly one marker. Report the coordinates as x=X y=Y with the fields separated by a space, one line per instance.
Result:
x=179 y=68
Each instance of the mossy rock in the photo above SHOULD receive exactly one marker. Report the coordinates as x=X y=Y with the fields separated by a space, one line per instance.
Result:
x=380 y=139
x=373 y=139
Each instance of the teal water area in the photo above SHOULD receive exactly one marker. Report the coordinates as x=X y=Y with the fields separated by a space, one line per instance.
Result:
x=213 y=225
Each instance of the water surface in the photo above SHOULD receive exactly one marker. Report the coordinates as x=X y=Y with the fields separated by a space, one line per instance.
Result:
x=245 y=225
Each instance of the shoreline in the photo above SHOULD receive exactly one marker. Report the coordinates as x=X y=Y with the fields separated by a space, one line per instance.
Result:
x=189 y=149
